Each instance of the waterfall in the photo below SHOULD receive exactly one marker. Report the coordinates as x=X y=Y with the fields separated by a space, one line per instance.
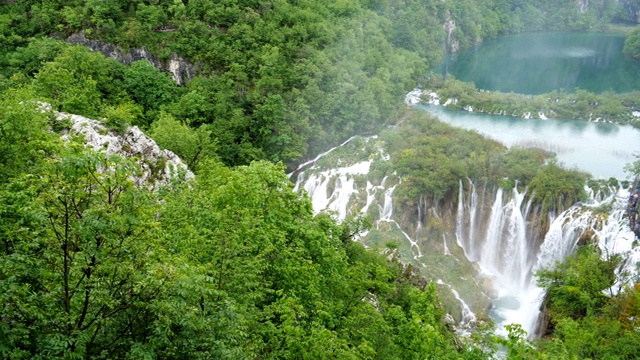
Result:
x=343 y=181
x=507 y=252
x=473 y=207
x=491 y=227
x=488 y=252
x=502 y=248
x=459 y=221
x=387 y=208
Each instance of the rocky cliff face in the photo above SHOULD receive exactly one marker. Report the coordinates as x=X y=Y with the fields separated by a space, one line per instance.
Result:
x=632 y=10
x=181 y=70
x=158 y=166
x=583 y=5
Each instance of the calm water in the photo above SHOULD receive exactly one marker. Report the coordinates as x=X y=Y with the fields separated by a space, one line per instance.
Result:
x=598 y=148
x=542 y=62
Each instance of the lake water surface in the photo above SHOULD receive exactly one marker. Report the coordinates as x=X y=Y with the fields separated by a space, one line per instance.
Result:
x=538 y=63
x=598 y=148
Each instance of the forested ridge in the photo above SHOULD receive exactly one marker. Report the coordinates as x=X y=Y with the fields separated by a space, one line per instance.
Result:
x=232 y=264
x=279 y=80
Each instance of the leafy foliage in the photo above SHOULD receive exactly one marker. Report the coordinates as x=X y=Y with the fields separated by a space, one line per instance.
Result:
x=24 y=143
x=557 y=188
x=590 y=321
x=632 y=44
x=232 y=265
x=432 y=157
x=79 y=278
x=576 y=286
x=278 y=80
x=580 y=104
x=149 y=87
x=191 y=145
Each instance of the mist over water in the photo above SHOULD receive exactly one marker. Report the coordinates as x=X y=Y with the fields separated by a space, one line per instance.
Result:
x=542 y=62
x=598 y=148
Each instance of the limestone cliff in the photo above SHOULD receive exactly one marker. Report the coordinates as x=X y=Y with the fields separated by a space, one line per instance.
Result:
x=157 y=166
x=632 y=9
x=180 y=69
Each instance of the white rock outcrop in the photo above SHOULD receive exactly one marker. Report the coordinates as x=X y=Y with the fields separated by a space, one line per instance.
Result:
x=158 y=166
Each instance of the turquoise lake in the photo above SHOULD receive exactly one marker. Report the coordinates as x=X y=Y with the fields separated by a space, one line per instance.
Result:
x=597 y=148
x=538 y=63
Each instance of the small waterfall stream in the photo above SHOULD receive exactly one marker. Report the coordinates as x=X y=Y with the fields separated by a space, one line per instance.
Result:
x=468 y=317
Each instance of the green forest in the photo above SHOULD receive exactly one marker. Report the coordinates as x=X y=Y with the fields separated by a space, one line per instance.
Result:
x=233 y=264
x=632 y=44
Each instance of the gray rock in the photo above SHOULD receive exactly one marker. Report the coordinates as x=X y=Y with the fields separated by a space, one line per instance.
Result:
x=180 y=69
x=158 y=166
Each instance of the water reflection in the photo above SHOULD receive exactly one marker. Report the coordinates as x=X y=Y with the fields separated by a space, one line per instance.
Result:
x=543 y=62
x=606 y=129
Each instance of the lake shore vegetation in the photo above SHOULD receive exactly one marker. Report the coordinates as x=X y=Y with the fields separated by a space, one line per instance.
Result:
x=623 y=109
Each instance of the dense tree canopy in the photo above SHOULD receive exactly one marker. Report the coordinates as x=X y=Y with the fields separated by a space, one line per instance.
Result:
x=234 y=264
x=589 y=318
x=231 y=265
x=279 y=80
x=632 y=44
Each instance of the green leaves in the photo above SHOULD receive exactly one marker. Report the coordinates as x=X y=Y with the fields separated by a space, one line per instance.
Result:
x=24 y=137
x=191 y=145
x=589 y=320
x=87 y=274
x=580 y=105
x=576 y=287
x=78 y=81
x=517 y=345
x=556 y=188
x=149 y=86
x=432 y=157
x=632 y=44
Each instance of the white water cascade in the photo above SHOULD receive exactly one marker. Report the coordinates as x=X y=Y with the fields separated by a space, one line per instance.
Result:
x=492 y=227
x=508 y=251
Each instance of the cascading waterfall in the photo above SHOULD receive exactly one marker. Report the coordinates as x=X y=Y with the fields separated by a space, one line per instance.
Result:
x=387 y=208
x=507 y=252
x=501 y=248
x=340 y=200
x=317 y=188
x=491 y=228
